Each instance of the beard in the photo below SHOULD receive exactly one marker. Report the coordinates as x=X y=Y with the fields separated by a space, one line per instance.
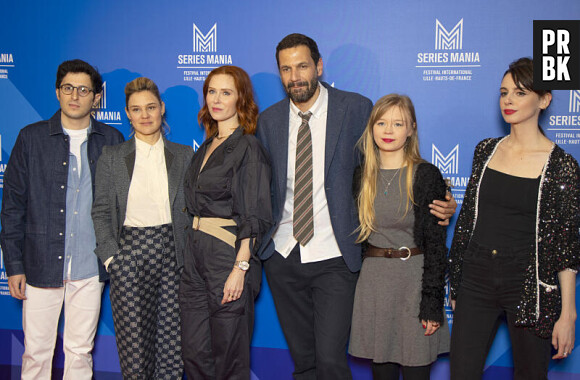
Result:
x=302 y=95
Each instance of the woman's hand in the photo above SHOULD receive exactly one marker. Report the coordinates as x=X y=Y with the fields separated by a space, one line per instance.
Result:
x=453 y=305
x=430 y=327
x=563 y=336
x=563 y=332
x=234 y=286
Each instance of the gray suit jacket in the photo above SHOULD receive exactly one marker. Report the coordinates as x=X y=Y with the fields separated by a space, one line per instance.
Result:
x=113 y=178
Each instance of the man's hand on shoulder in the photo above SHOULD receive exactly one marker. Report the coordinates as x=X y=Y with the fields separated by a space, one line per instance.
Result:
x=17 y=286
x=444 y=210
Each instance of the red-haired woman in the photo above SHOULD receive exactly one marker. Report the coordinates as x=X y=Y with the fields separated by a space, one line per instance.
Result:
x=227 y=192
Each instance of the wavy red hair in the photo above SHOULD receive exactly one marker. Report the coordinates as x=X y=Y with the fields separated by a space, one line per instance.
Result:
x=246 y=106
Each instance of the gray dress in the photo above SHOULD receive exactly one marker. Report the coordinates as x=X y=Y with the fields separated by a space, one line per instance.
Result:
x=385 y=323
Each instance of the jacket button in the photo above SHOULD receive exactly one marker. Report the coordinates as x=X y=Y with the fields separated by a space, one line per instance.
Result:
x=494 y=252
x=64 y=163
x=184 y=209
x=60 y=234
x=62 y=186
x=60 y=257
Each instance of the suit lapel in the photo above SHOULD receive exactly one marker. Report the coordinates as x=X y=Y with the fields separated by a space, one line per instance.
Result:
x=173 y=170
x=279 y=151
x=124 y=172
x=334 y=125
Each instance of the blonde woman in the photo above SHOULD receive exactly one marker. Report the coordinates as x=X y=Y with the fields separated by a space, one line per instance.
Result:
x=398 y=318
x=139 y=221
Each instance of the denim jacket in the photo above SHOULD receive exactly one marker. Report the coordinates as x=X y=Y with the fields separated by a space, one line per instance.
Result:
x=34 y=199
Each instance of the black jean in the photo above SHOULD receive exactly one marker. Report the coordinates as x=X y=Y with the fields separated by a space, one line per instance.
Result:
x=491 y=286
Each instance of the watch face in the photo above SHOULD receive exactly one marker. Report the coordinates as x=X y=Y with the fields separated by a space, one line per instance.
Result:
x=244 y=265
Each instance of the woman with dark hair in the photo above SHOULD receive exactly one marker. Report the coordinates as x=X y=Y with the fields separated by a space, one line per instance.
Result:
x=227 y=187
x=515 y=248
x=139 y=219
x=398 y=319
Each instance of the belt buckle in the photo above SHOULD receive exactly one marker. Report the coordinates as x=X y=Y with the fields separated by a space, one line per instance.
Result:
x=196 y=222
x=408 y=254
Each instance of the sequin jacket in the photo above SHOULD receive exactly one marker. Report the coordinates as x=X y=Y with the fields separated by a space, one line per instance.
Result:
x=556 y=246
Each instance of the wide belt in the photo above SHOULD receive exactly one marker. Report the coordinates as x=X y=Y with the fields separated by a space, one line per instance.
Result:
x=215 y=228
x=402 y=253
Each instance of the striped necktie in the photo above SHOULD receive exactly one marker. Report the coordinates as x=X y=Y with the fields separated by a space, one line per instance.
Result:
x=303 y=215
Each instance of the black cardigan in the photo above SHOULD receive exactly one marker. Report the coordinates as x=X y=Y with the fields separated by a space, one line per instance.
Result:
x=429 y=236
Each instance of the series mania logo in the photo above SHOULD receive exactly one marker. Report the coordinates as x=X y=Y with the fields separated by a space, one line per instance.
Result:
x=102 y=115
x=448 y=165
x=567 y=127
x=3 y=277
x=570 y=120
x=446 y=40
x=204 y=47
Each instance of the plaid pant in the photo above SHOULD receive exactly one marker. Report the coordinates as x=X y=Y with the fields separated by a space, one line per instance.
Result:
x=144 y=284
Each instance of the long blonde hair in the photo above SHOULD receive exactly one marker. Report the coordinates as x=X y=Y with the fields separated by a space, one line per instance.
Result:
x=372 y=164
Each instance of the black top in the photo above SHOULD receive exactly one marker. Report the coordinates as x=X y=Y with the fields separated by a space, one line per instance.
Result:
x=507 y=210
x=234 y=184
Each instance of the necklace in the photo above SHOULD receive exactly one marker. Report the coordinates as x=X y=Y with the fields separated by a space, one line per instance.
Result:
x=388 y=183
x=226 y=136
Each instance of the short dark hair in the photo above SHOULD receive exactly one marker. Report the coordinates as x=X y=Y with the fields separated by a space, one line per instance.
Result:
x=522 y=72
x=297 y=39
x=80 y=66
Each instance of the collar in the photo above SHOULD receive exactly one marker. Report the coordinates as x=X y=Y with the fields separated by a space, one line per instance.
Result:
x=319 y=106
x=143 y=148
x=55 y=125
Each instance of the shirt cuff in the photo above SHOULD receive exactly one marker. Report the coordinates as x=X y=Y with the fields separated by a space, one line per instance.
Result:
x=107 y=262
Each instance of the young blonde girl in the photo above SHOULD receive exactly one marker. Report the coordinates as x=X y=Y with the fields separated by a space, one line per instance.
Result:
x=398 y=318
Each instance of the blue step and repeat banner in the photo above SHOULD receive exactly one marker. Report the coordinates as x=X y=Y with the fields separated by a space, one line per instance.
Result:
x=448 y=56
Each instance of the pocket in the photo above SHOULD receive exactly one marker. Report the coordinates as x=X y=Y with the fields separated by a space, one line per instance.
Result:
x=214 y=188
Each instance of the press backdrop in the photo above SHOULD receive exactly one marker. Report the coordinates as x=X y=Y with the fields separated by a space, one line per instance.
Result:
x=448 y=56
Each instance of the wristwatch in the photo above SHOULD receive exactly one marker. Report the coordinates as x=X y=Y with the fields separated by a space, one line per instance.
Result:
x=242 y=264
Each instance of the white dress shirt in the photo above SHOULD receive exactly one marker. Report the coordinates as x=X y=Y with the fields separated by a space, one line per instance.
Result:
x=148 y=199
x=323 y=245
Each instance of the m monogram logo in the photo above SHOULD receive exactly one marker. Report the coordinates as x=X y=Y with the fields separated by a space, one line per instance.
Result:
x=448 y=164
x=445 y=40
x=205 y=42
x=574 y=101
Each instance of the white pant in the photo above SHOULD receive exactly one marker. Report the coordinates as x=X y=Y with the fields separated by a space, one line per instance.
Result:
x=40 y=314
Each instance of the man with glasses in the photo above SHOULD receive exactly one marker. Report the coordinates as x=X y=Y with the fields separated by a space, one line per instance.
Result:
x=47 y=232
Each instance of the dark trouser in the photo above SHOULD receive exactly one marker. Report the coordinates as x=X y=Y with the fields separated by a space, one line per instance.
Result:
x=144 y=281
x=314 y=306
x=390 y=371
x=491 y=285
x=216 y=338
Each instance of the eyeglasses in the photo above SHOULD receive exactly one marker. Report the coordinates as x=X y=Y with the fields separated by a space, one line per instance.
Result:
x=68 y=89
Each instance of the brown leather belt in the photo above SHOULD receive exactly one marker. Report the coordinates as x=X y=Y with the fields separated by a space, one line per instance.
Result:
x=402 y=253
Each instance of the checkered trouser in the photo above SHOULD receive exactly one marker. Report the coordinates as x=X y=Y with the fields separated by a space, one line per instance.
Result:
x=144 y=285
